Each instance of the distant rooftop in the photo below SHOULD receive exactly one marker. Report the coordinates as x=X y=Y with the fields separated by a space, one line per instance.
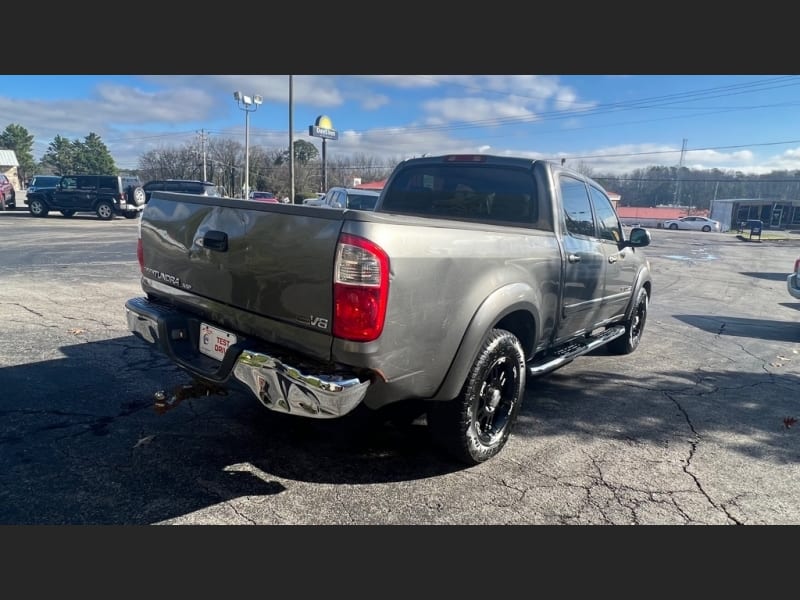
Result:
x=8 y=158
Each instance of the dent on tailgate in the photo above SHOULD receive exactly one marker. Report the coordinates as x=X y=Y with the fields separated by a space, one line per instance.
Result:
x=265 y=264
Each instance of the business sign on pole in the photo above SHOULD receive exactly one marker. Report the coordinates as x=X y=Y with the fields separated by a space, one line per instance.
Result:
x=323 y=128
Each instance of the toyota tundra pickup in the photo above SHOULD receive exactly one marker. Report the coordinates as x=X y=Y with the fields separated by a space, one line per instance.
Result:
x=473 y=275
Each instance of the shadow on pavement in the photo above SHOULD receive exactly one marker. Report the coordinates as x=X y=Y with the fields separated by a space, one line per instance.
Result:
x=778 y=331
x=82 y=444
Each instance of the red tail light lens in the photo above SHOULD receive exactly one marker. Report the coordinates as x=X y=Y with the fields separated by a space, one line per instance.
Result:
x=360 y=289
x=797 y=265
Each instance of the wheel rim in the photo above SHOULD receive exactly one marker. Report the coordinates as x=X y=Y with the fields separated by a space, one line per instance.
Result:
x=638 y=320
x=673 y=226
x=36 y=207
x=496 y=400
x=104 y=210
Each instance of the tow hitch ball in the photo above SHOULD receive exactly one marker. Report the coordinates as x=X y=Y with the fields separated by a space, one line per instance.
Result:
x=164 y=402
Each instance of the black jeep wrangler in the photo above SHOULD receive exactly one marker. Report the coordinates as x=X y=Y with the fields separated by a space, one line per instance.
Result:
x=104 y=195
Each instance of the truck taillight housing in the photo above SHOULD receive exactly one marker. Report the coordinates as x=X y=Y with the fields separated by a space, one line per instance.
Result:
x=360 y=289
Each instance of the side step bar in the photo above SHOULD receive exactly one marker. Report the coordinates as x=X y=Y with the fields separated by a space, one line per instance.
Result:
x=568 y=352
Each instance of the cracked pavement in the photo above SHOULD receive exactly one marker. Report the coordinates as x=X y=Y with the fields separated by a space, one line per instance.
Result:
x=691 y=429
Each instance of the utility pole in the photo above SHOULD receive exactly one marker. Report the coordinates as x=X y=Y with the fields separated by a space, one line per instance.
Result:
x=714 y=199
x=678 y=174
x=291 y=144
x=202 y=133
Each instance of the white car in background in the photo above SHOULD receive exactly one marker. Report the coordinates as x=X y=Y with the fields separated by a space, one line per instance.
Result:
x=693 y=223
x=793 y=281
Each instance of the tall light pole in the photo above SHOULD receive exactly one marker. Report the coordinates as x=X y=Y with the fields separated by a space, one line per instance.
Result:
x=248 y=104
x=291 y=143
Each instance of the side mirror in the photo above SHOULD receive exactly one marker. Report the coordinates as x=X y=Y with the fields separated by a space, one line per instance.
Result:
x=638 y=238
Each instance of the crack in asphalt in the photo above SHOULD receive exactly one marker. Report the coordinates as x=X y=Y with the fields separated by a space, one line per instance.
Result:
x=763 y=362
x=688 y=462
x=601 y=481
x=92 y=423
x=232 y=505
x=30 y=310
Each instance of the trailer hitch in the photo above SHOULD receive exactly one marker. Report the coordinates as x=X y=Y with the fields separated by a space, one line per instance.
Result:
x=196 y=389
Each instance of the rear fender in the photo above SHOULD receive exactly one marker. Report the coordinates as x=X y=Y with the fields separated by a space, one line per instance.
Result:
x=502 y=302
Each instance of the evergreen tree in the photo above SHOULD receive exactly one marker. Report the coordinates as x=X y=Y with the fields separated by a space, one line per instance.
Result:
x=16 y=137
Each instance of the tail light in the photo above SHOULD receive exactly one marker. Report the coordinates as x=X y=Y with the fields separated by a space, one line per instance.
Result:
x=797 y=265
x=360 y=289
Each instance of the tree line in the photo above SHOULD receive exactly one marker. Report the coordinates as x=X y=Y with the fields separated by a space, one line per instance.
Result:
x=221 y=161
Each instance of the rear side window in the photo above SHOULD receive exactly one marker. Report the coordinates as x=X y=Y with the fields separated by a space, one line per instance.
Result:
x=578 y=217
x=86 y=182
x=361 y=201
x=486 y=194
x=107 y=183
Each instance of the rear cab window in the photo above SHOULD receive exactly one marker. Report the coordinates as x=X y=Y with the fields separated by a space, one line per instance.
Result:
x=498 y=194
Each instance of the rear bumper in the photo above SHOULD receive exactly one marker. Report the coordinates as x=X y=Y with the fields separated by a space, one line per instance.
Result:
x=278 y=381
x=793 y=285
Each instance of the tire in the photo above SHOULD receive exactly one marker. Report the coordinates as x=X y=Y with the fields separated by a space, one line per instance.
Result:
x=706 y=228
x=132 y=214
x=475 y=426
x=135 y=195
x=37 y=207
x=13 y=203
x=2 y=202
x=634 y=327
x=68 y=213
x=105 y=210
x=673 y=225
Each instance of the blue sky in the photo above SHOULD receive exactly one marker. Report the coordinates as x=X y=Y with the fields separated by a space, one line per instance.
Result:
x=609 y=123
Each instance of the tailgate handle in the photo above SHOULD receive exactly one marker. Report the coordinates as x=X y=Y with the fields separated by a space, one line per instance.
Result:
x=215 y=240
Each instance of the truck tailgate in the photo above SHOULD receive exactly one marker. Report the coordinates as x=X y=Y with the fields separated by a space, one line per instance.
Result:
x=271 y=263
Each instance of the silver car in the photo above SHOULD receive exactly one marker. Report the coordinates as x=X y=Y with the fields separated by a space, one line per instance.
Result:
x=693 y=223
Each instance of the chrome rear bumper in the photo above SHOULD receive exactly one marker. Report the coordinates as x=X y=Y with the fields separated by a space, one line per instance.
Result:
x=275 y=382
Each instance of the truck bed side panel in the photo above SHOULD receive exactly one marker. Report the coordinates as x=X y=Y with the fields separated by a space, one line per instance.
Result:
x=441 y=273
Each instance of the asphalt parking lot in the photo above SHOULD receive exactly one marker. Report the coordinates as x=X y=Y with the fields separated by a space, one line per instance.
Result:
x=698 y=426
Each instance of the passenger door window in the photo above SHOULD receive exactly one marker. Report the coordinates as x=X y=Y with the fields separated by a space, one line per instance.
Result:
x=607 y=221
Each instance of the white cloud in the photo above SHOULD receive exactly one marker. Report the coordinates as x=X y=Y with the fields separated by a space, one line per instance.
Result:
x=476 y=109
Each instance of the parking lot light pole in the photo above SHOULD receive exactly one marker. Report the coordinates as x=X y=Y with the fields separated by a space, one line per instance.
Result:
x=248 y=104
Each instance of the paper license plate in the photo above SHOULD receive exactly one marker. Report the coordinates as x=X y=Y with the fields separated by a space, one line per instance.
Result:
x=214 y=342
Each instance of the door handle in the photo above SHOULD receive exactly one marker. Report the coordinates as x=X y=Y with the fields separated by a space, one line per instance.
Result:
x=214 y=240
x=574 y=258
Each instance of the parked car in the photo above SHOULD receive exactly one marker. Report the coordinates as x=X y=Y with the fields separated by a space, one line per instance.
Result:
x=183 y=186
x=793 y=281
x=38 y=182
x=104 y=195
x=8 y=196
x=343 y=197
x=693 y=223
x=265 y=197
